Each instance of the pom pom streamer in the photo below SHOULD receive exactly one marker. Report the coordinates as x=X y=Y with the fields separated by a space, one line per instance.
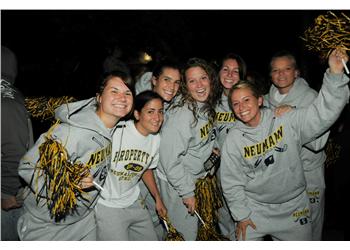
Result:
x=328 y=33
x=61 y=178
x=208 y=201
x=172 y=233
x=44 y=107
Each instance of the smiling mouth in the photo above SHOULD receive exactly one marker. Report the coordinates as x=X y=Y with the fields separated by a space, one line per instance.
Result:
x=120 y=106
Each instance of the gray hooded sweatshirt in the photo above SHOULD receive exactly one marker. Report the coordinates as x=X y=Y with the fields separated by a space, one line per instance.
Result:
x=87 y=141
x=184 y=148
x=301 y=96
x=224 y=120
x=263 y=163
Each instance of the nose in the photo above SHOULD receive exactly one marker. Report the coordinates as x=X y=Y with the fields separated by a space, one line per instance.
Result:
x=281 y=72
x=171 y=84
x=241 y=106
x=157 y=116
x=121 y=96
x=199 y=83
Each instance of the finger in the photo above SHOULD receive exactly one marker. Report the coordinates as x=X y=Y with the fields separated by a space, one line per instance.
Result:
x=238 y=234
x=244 y=233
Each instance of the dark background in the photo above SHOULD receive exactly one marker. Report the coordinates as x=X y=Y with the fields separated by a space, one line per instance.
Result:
x=61 y=52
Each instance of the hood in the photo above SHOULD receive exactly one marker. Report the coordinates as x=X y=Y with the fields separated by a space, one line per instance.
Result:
x=9 y=91
x=81 y=114
x=8 y=65
x=300 y=87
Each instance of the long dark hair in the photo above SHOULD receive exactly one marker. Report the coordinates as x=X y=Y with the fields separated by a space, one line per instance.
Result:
x=209 y=105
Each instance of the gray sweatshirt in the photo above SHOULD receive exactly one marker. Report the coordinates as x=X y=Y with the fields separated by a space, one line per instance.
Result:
x=86 y=140
x=300 y=96
x=184 y=147
x=263 y=163
x=224 y=120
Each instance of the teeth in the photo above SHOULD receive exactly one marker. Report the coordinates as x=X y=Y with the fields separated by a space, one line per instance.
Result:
x=120 y=106
x=245 y=113
x=168 y=92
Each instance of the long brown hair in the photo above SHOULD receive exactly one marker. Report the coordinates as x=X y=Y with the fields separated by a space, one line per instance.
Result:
x=210 y=103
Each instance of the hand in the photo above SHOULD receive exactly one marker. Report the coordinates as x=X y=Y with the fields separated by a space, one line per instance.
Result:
x=335 y=61
x=161 y=209
x=87 y=182
x=190 y=203
x=216 y=151
x=241 y=228
x=285 y=108
x=9 y=203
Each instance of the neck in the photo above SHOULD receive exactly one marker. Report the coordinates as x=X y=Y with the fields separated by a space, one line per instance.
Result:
x=140 y=129
x=108 y=120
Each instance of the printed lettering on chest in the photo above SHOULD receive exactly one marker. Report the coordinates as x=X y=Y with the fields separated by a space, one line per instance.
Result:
x=135 y=161
x=99 y=156
x=261 y=148
x=224 y=117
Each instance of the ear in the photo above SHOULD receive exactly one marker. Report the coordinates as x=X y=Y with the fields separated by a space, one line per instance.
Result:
x=98 y=98
x=260 y=101
x=136 y=115
x=154 y=80
x=296 y=74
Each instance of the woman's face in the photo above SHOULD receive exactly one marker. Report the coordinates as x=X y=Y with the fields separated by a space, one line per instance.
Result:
x=167 y=84
x=229 y=74
x=116 y=99
x=198 y=83
x=151 y=117
x=283 y=74
x=246 y=106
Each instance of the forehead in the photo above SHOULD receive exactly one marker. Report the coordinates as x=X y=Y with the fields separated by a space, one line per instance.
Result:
x=230 y=62
x=282 y=61
x=197 y=70
x=154 y=103
x=169 y=70
x=116 y=82
x=241 y=93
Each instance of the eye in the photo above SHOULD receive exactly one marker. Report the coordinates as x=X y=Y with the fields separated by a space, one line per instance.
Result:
x=235 y=104
x=191 y=81
x=204 y=77
x=128 y=93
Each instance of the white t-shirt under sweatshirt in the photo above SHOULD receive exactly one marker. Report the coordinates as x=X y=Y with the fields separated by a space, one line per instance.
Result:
x=132 y=154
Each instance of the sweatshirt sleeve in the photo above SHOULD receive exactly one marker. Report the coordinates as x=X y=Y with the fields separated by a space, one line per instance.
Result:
x=325 y=109
x=233 y=181
x=319 y=143
x=27 y=166
x=174 y=144
x=15 y=140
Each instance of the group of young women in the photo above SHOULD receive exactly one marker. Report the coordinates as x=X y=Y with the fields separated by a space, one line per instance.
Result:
x=190 y=114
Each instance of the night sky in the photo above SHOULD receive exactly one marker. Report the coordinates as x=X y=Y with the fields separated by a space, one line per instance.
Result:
x=61 y=52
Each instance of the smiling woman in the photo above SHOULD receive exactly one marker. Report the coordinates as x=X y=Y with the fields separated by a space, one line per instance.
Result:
x=121 y=214
x=64 y=163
